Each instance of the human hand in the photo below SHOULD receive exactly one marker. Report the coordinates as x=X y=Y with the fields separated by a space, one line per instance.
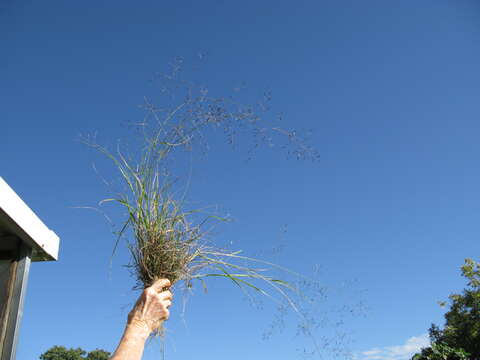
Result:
x=151 y=308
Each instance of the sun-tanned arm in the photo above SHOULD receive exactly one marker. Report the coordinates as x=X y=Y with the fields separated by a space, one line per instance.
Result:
x=148 y=314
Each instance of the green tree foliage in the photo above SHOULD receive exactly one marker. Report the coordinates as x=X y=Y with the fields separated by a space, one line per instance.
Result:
x=439 y=351
x=98 y=354
x=460 y=337
x=62 y=353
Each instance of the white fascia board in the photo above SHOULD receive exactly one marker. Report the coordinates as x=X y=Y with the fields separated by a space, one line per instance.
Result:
x=19 y=220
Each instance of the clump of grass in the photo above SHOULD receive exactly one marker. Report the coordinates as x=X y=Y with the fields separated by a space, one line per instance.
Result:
x=165 y=244
x=167 y=240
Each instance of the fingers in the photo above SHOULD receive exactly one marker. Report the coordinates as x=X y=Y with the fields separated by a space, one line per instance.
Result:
x=161 y=284
x=166 y=315
x=165 y=295
x=158 y=294
x=150 y=293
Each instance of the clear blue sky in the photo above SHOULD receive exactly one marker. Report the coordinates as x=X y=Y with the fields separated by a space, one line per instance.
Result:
x=391 y=90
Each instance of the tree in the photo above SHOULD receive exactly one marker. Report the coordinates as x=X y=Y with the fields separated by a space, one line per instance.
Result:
x=62 y=353
x=98 y=354
x=439 y=351
x=460 y=337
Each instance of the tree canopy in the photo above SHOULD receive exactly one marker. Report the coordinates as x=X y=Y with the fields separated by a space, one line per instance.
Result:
x=62 y=353
x=460 y=337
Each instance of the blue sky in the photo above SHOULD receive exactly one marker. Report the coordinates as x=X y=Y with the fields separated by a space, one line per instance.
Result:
x=390 y=90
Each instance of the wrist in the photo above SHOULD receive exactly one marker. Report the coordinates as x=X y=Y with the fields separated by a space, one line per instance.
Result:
x=136 y=332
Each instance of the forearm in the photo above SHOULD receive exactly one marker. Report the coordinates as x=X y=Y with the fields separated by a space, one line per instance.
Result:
x=131 y=345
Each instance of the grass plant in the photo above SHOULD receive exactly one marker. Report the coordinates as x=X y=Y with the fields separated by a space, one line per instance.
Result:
x=167 y=240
